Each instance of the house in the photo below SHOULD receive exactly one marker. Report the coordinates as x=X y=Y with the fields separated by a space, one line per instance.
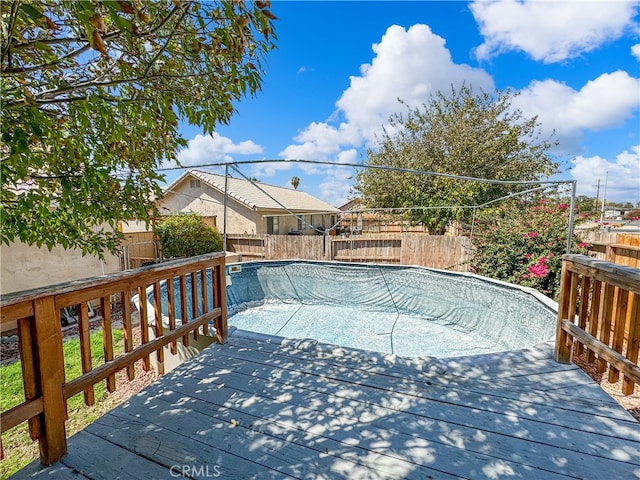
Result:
x=252 y=207
x=28 y=266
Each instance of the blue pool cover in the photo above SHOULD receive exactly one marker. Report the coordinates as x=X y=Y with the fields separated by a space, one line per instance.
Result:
x=402 y=310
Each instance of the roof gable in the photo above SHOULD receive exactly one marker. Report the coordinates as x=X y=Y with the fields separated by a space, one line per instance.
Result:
x=259 y=196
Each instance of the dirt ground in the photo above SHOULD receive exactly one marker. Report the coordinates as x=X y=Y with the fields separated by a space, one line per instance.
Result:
x=631 y=403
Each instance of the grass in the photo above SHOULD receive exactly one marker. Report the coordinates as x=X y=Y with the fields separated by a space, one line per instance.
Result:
x=19 y=449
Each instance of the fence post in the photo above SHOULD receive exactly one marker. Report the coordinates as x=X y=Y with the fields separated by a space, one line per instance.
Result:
x=610 y=255
x=50 y=371
x=219 y=277
x=562 y=349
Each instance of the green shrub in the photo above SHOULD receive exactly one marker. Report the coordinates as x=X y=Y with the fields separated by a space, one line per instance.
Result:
x=523 y=243
x=186 y=236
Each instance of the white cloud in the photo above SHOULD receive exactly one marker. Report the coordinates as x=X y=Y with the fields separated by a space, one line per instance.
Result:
x=213 y=149
x=261 y=170
x=635 y=51
x=604 y=102
x=622 y=175
x=336 y=187
x=550 y=31
x=409 y=64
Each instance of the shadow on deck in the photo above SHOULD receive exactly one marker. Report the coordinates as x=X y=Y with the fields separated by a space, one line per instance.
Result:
x=268 y=407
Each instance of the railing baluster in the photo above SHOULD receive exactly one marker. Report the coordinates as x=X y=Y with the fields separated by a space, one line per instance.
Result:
x=204 y=301
x=606 y=309
x=144 y=324
x=585 y=285
x=85 y=349
x=157 y=307
x=593 y=316
x=172 y=313
x=620 y=317
x=107 y=339
x=183 y=306
x=633 y=342
x=29 y=378
x=194 y=300
x=127 y=329
x=215 y=294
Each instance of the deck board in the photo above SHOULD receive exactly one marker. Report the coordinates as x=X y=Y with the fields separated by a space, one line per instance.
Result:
x=586 y=394
x=267 y=407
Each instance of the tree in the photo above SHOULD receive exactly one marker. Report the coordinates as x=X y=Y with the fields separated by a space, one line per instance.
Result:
x=295 y=182
x=462 y=134
x=186 y=236
x=92 y=93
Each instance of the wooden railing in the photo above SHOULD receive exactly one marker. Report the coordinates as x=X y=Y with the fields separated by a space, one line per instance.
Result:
x=36 y=316
x=599 y=315
x=615 y=247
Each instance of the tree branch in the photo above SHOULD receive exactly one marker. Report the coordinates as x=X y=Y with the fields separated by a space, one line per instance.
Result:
x=59 y=60
x=12 y=25
x=166 y=43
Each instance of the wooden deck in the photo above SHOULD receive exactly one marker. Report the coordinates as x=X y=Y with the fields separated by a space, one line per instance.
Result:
x=262 y=407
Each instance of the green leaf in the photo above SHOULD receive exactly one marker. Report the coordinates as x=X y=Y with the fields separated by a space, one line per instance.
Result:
x=33 y=12
x=102 y=149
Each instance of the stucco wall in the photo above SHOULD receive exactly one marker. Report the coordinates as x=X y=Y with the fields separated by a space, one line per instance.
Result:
x=289 y=222
x=207 y=202
x=24 y=267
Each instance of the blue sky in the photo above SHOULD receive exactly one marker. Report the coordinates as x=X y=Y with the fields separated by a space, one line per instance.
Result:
x=340 y=67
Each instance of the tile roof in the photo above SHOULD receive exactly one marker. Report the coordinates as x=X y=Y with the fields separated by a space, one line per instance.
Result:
x=261 y=196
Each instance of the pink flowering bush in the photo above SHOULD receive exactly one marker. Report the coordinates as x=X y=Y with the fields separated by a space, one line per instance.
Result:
x=523 y=243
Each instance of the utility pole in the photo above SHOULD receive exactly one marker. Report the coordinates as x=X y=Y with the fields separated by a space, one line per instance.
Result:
x=604 y=196
x=595 y=205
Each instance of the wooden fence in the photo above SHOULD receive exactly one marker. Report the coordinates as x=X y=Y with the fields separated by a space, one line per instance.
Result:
x=436 y=251
x=139 y=249
x=37 y=315
x=620 y=248
x=599 y=313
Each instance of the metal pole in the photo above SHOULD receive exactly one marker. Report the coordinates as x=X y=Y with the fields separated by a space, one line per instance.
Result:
x=571 y=210
x=226 y=197
x=604 y=197
x=473 y=222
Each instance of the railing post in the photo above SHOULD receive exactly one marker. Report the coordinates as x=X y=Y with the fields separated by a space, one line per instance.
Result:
x=219 y=278
x=50 y=373
x=562 y=347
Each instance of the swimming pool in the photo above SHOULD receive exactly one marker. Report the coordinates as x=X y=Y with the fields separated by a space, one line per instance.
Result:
x=403 y=310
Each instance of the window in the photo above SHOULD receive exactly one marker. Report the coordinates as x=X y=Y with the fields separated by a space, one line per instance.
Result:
x=273 y=225
x=194 y=183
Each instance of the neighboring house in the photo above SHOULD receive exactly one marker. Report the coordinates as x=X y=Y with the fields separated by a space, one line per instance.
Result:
x=252 y=207
x=25 y=267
